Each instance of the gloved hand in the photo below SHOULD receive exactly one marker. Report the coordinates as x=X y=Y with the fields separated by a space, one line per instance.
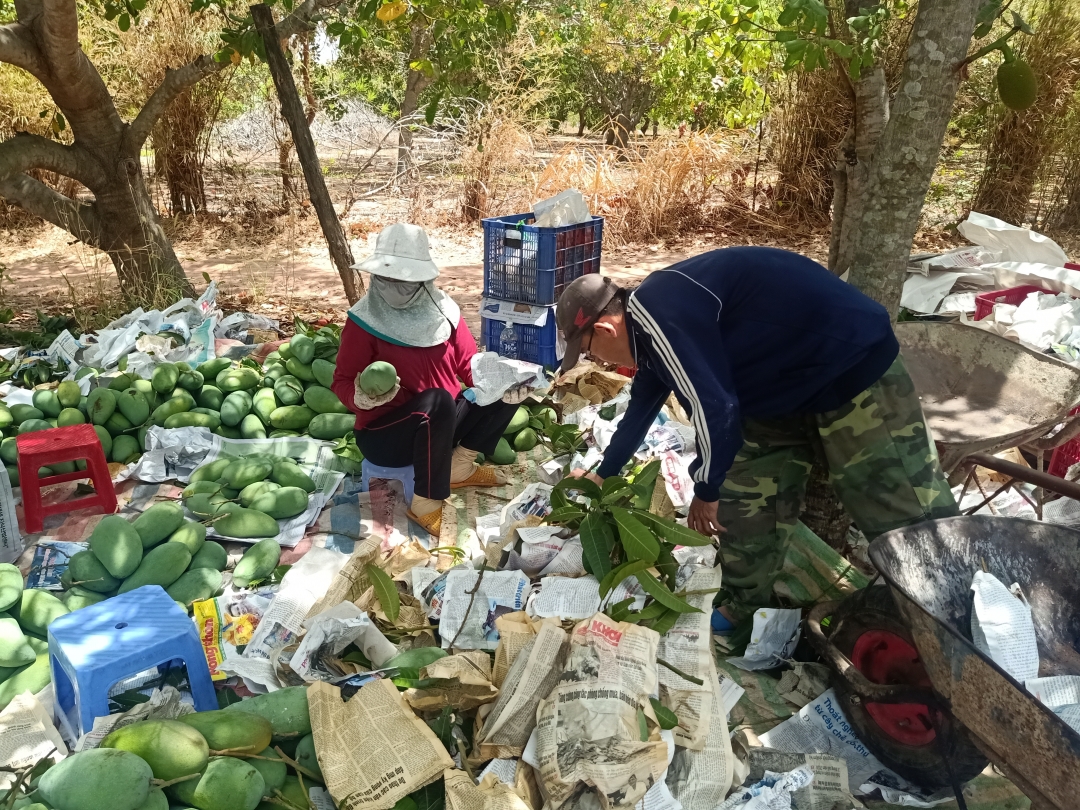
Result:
x=517 y=394
x=366 y=402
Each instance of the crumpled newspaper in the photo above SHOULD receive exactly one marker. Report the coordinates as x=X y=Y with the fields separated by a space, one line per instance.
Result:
x=494 y=375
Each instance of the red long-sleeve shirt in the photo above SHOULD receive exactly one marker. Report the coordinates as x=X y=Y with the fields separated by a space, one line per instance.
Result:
x=419 y=369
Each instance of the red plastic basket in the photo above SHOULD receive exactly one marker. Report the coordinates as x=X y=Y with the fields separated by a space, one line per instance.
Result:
x=1066 y=455
x=984 y=302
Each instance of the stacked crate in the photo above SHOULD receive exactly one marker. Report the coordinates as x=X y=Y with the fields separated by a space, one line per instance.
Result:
x=530 y=267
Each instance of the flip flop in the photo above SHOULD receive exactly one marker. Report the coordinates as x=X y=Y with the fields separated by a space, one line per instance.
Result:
x=483 y=476
x=431 y=522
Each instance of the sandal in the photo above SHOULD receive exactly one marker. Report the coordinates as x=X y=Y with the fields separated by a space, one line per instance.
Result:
x=483 y=476
x=431 y=522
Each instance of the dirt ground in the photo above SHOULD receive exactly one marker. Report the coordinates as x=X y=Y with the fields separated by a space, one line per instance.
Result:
x=289 y=272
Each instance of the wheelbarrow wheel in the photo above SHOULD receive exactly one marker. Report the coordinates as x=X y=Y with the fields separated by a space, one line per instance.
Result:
x=871 y=632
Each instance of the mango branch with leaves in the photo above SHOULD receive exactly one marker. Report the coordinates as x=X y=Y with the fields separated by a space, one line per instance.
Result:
x=620 y=539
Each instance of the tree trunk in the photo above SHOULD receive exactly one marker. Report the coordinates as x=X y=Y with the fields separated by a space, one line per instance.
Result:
x=415 y=84
x=293 y=111
x=581 y=122
x=877 y=204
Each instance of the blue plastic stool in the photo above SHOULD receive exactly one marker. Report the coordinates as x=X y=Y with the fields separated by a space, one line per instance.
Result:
x=403 y=474
x=93 y=648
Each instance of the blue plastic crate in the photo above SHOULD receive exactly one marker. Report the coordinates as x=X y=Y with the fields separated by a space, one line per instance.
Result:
x=536 y=344
x=532 y=265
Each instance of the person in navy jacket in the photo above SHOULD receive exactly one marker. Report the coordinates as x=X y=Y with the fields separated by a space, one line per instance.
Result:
x=779 y=364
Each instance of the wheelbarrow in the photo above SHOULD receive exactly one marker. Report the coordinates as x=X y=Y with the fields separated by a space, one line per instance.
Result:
x=981 y=392
x=922 y=698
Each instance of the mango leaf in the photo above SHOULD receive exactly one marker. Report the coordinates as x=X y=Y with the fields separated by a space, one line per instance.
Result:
x=637 y=541
x=643 y=725
x=357 y=657
x=416 y=659
x=617 y=575
x=559 y=500
x=666 y=565
x=582 y=485
x=664 y=716
x=405 y=803
x=385 y=591
x=432 y=108
x=665 y=622
x=597 y=542
x=429 y=797
x=421 y=683
x=658 y=591
x=443 y=726
x=619 y=495
x=652 y=611
x=673 y=17
x=620 y=610
x=616 y=482
x=671 y=531
x=564 y=514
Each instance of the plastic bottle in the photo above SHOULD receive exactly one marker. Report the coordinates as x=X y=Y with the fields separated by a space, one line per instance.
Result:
x=508 y=342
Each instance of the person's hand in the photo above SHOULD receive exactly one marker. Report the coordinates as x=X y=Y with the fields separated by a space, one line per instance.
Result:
x=591 y=476
x=702 y=517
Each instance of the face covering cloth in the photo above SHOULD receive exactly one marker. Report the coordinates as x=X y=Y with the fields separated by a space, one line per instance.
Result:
x=406 y=313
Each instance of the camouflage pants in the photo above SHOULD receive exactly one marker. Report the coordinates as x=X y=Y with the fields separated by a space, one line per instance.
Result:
x=882 y=464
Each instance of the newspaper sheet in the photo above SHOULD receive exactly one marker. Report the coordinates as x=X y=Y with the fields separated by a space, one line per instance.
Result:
x=469 y=609
x=565 y=598
x=534 y=501
x=332 y=631
x=166 y=703
x=467 y=683
x=11 y=542
x=376 y=750
x=589 y=730
x=27 y=734
x=821 y=727
x=518 y=775
x=50 y=561
x=532 y=674
x=688 y=647
x=494 y=375
x=516 y=630
x=829 y=788
x=699 y=780
x=300 y=589
x=490 y=794
x=539 y=546
x=1001 y=627
x=351 y=581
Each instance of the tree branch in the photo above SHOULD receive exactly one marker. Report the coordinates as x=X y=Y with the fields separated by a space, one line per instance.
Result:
x=59 y=32
x=17 y=47
x=180 y=79
x=78 y=219
x=25 y=152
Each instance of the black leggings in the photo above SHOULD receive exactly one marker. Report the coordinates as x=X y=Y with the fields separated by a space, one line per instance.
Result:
x=424 y=432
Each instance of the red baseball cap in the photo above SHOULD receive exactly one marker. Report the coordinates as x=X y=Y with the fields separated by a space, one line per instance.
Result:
x=580 y=306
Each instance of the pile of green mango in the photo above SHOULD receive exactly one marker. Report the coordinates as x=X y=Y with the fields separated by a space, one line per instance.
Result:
x=521 y=435
x=25 y=615
x=228 y=753
x=160 y=547
x=246 y=497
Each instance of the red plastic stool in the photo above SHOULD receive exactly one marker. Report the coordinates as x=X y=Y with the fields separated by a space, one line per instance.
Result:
x=42 y=448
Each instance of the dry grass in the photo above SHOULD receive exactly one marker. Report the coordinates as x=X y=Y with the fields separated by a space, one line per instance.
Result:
x=498 y=149
x=671 y=186
x=1021 y=144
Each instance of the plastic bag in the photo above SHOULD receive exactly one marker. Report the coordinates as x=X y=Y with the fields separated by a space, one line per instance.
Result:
x=565 y=208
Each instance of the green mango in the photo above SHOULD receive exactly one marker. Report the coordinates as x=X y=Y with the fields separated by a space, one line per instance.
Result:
x=47 y=402
x=289 y=390
x=30 y=678
x=9 y=451
x=195 y=585
x=228 y=432
x=306 y=757
x=329 y=426
x=68 y=393
x=211 y=471
x=236 y=406
x=133 y=405
x=292 y=417
x=22 y=412
x=285 y=709
x=77 y=597
x=323 y=400
x=288 y=474
x=158 y=522
x=97 y=779
x=301 y=371
x=227 y=731
x=11 y=585
x=251 y=427
x=169 y=407
x=241 y=378
x=285 y=350
x=323 y=371
x=117 y=545
x=87 y=571
x=105 y=439
x=120 y=382
x=165 y=377
x=258 y=562
x=33 y=425
x=117 y=424
x=281 y=503
x=190 y=380
x=246 y=524
x=252 y=491
x=212 y=555
x=226 y=784
x=190 y=419
x=36 y=610
x=211 y=368
x=70 y=416
x=14 y=651
x=263 y=403
x=191 y=535
x=125 y=449
x=210 y=396
x=172 y=749
x=504 y=453
x=273 y=773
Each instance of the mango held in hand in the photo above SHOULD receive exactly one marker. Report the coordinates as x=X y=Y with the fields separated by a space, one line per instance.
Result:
x=171 y=749
x=98 y=779
x=378 y=378
x=259 y=561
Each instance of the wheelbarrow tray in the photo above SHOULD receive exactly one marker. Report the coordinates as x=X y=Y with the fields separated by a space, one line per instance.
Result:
x=929 y=567
x=983 y=392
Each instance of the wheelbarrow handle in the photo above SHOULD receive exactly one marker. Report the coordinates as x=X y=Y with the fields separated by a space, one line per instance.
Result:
x=863 y=688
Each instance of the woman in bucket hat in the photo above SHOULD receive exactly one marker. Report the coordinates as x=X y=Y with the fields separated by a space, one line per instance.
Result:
x=405 y=320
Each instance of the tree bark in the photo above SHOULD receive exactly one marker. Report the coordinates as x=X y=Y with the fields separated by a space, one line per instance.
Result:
x=415 y=84
x=293 y=111
x=894 y=185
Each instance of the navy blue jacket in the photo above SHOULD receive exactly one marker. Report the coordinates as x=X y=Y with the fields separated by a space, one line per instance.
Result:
x=745 y=332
